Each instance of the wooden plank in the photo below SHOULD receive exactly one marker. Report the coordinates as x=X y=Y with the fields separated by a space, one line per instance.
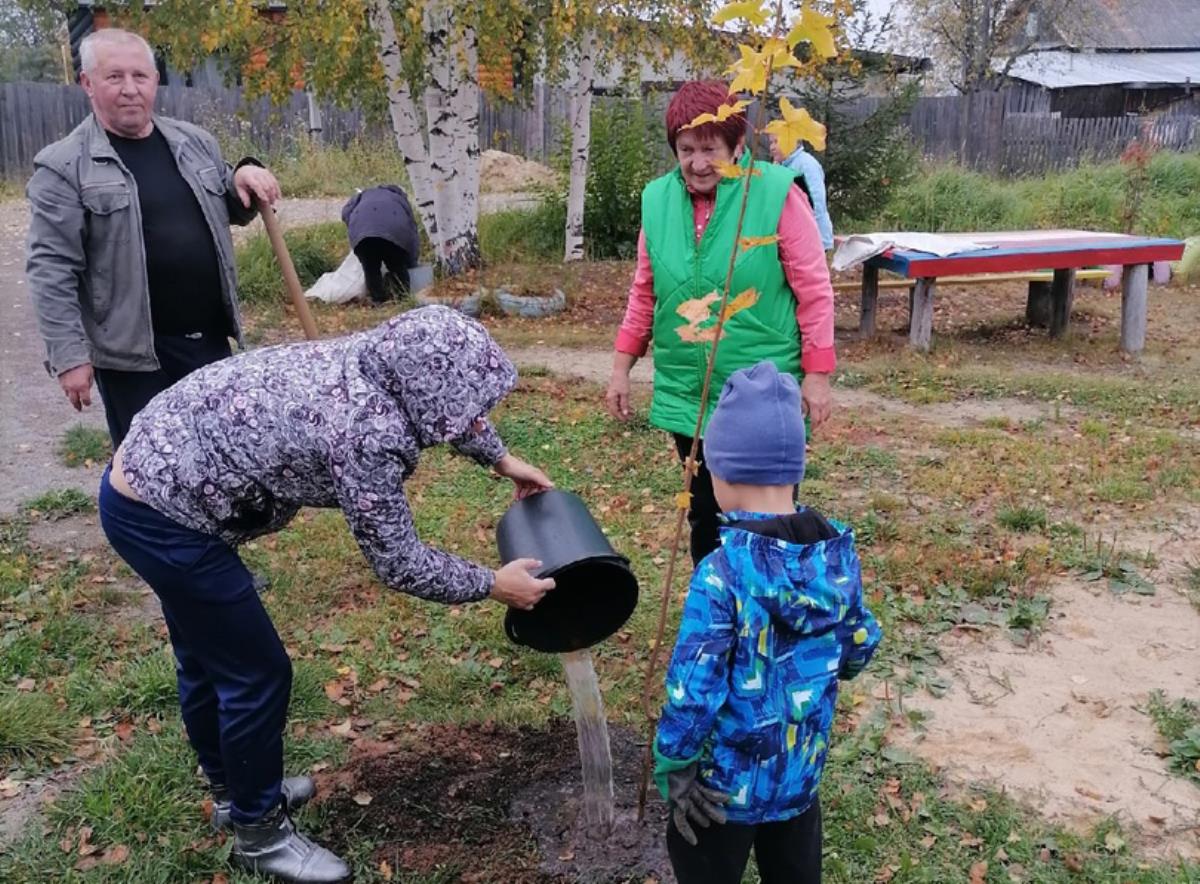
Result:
x=1047 y=276
x=1062 y=299
x=920 y=327
x=1134 y=281
x=870 y=296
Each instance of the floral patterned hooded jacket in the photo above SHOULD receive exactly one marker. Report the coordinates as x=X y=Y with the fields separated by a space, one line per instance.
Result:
x=237 y=447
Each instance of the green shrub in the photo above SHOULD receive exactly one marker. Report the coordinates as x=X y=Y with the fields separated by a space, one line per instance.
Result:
x=316 y=249
x=628 y=149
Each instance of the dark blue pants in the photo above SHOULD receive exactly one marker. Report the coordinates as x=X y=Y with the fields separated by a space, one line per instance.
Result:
x=234 y=674
x=125 y=393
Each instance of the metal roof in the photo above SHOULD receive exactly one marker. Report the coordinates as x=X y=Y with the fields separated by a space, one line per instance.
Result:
x=1059 y=69
x=1132 y=25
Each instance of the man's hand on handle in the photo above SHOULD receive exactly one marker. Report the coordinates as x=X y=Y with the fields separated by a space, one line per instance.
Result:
x=516 y=586
x=76 y=383
x=255 y=181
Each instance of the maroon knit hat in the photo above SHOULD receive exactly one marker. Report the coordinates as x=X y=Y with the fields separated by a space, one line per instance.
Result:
x=700 y=97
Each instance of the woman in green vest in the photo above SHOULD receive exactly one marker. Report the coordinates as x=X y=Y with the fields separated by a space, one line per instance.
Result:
x=689 y=222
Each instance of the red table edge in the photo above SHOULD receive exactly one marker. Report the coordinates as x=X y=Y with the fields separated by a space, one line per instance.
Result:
x=934 y=266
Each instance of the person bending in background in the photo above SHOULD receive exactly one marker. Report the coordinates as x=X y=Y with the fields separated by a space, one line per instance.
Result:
x=383 y=232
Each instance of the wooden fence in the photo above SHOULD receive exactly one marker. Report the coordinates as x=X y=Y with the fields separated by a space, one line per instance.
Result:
x=1015 y=133
x=1010 y=132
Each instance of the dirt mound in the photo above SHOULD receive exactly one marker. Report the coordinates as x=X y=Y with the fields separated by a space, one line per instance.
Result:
x=485 y=803
x=505 y=173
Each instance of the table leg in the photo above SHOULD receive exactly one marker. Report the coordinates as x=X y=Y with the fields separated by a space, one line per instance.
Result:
x=1134 y=280
x=870 y=295
x=920 y=326
x=1062 y=298
x=1037 y=305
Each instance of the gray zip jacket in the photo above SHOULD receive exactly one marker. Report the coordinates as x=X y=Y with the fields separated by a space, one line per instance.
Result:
x=86 y=262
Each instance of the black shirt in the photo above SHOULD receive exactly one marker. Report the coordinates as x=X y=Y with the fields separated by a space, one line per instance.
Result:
x=181 y=259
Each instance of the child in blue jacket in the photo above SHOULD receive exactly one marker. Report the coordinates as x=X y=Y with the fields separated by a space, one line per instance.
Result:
x=773 y=619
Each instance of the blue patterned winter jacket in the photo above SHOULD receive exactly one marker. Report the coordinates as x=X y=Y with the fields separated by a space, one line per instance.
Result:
x=768 y=629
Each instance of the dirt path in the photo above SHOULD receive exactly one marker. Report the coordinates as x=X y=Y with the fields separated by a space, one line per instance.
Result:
x=34 y=414
x=596 y=365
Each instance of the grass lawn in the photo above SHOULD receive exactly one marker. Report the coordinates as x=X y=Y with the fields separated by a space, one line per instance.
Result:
x=962 y=525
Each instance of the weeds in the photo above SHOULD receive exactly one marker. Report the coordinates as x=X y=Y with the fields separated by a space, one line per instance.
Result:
x=55 y=505
x=1022 y=519
x=32 y=727
x=84 y=446
x=1178 y=723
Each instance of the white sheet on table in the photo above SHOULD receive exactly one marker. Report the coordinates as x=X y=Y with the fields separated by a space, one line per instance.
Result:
x=856 y=249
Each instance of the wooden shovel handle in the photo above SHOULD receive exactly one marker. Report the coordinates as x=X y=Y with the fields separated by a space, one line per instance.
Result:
x=295 y=290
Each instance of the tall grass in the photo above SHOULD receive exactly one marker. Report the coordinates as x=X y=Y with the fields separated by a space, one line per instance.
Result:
x=1091 y=196
x=315 y=249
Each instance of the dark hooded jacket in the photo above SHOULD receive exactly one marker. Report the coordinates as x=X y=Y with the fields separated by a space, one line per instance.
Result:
x=237 y=447
x=382 y=212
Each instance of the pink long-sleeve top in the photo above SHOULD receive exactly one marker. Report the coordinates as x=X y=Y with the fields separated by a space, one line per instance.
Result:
x=804 y=267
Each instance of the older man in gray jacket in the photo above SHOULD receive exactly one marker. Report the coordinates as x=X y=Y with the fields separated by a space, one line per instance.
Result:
x=130 y=262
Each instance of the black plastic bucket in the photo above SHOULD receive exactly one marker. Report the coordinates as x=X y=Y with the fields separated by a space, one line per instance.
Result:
x=595 y=591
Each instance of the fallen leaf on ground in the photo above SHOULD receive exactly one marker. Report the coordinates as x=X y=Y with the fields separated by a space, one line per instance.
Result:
x=115 y=855
x=362 y=799
x=978 y=874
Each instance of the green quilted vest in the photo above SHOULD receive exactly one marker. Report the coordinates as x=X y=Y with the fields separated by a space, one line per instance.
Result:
x=686 y=270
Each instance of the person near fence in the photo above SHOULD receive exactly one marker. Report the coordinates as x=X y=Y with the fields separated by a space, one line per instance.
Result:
x=808 y=172
x=232 y=452
x=382 y=231
x=689 y=225
x=130 y=262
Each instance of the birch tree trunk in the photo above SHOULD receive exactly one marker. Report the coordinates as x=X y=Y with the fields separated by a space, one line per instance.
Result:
x=580 y=116
x=406 y=125
x=452 y=118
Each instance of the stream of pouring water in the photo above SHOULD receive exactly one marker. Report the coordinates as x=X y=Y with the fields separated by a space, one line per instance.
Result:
x=595 y=754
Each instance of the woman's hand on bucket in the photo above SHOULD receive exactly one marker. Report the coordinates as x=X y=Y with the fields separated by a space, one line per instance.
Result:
x=528 y=478
x=516 y=586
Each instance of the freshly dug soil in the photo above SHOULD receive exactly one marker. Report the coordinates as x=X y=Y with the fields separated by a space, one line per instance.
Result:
x=484 y=803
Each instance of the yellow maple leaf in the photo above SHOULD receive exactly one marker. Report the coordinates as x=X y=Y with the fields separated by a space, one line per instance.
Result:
x=749 y=10
x=743 y=301
x=683 y=500
x=796 y=126
x=779 y=54
x=724 y=112
x=816 y=29
x=733 y=170
x=750 y=72
x=751 y=242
